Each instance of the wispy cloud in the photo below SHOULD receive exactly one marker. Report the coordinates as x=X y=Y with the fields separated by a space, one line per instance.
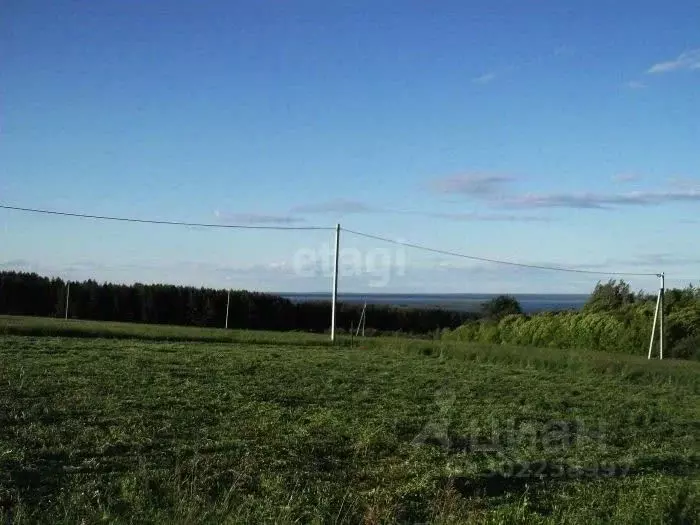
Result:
x=479 y=186
x=689 y=60
x=20 y=265
x=646 y=261
x=498 y=191
x=487 y=217
x=680 y=182
x=485 y=78
x=664 y=259
x=256 y=218
x=476 y=184
x=635 y=84
x=584 y=201
x=334 y=206
x=604 y=201
x=625 y=177
x=649 y=262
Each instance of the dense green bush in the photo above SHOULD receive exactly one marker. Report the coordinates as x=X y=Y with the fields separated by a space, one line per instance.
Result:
x=610 y=297
x=614 y=319
x=687 y=348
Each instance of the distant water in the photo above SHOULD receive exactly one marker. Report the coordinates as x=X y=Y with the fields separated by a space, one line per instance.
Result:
x=466 y=302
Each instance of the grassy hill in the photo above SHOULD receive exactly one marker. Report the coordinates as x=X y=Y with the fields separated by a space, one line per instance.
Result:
x=109 y=422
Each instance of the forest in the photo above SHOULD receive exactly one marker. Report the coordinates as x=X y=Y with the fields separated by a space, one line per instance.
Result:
x=31 y=294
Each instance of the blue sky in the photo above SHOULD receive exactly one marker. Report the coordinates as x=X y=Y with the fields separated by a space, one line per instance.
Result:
x=557 y=132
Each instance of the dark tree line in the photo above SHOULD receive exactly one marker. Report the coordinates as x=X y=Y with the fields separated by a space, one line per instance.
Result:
x=31 y=294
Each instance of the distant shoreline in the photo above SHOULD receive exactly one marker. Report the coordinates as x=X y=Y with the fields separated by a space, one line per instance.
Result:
x=462 y=302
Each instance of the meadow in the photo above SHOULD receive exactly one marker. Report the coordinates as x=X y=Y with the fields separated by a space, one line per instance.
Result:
x=121 y=423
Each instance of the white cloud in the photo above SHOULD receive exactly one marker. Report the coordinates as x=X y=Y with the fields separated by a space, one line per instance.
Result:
x=487 y=217
x=485 y=78
x=255 y=218
x=635 y=84
x=476 y=184
x=497 y=190
x=690 y=60
x=684 y=182
x=626 y=177
x=335 y=206
x=604 y=201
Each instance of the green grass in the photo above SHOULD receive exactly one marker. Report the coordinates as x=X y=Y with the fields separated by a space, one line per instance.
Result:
x=45 y=326
x=182 y=425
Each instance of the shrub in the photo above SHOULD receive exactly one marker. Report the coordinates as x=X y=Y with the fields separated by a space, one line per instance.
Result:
x=609 y=297
x=687 y=348
x=468 y=332
x=488 y=332
x=614 y=320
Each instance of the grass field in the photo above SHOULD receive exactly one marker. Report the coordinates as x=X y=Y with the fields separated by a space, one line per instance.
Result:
x=107 y=422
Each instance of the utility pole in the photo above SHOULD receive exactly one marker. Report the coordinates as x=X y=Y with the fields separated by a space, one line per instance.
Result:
x=335 y=281
x=659 y=314
x=67 y=299
x=228 y=301
x=363 y=320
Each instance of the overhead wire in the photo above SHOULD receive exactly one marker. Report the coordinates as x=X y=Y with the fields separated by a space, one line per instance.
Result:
x=495 y=261
x=169 y=223
x=326 y=228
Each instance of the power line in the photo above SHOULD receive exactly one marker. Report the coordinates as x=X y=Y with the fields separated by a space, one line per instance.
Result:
x=322 y=228
x=495 y=261
x=169 y=223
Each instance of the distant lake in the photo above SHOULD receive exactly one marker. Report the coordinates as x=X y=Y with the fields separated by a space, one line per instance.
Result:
x=466 y=302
